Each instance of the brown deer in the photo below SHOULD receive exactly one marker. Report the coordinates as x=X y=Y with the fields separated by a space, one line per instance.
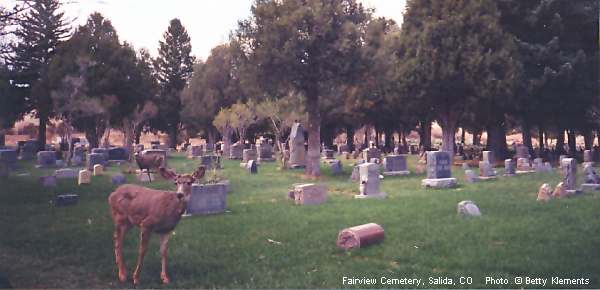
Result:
x=152 y=211
x=148 y=162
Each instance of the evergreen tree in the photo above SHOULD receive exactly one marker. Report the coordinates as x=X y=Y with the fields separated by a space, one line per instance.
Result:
x=39 y=33
x=174 y=67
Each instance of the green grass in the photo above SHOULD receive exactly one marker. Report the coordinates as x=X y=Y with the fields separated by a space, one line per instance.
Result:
x=46 y=247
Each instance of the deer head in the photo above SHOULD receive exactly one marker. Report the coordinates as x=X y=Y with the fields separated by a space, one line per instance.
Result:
x=183 y=181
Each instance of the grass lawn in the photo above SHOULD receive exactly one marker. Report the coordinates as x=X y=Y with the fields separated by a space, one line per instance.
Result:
x=46 y=247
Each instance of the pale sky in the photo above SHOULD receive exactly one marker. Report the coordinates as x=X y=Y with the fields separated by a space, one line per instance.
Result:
x=208 y=22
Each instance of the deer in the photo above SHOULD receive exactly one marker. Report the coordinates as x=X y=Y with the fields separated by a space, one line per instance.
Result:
x=153 y=211
x=148 y=162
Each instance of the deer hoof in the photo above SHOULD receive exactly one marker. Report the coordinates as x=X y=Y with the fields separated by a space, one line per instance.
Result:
x=165 y=279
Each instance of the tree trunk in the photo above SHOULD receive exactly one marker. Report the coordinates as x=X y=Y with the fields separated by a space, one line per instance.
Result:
x=129 y=130
x=389 y=144
x=526 y=136
x=588 y=138
x=366 y=141
x=42 y=130
x=448 y=122
x=173 y=136
x=425 y=134
x=350 y=137
x=314 y=136
x=377 y=136
x=462 y=135
x=477 y=137
x=496 y=141
x=403 y=139
x=560 y=142
x=227 y=141
x=541 y=138
x=2 y=138
x=572 y=143
x=327 y=136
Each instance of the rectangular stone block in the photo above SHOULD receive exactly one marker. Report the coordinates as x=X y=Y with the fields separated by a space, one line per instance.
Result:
x=439 y=165
x=46 y=159
x=65 y=173
x=66 y=200
x=395 y=164
x=210 y=161
x=95 y=159
x=85 y=177
x=8 y=157
x=310 y=194
x=207 y=199
x=568 y=168
x=118 y=153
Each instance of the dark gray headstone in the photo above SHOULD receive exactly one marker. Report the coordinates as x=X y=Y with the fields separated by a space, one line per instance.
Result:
x=249 y=154
x=207 y=199
x=28 y=150
x=569 y=173
x=95 y=158
x=588 y=156
x=8 y=157
x=439 y=165
x=195 y=151
x=336 y=167
x=118 y=153
x=371 y=153
x=392 y=163
x=328 y=154
x=265 y=152
x=102 y=151
x=509 y=167
x=236 y=151
x=46 y=159
x=297 y=150
x=211 y=161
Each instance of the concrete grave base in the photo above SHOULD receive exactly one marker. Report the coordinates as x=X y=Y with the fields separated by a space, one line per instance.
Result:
x=266 y=160
x=589 y=187
x=508 y=175
x=380 y=195
x=439 y=182
x=518 y=172
x=487 y=178
x=396 y=173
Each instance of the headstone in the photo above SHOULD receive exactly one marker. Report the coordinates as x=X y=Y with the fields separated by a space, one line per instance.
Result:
x=85 y=177
x=544 y=193
x=523 y=165
x=538 y=165
x=207 y=199
x=78 y=155
x=395 y=165
x=297 y=150
x=588 y=156
x=369 y=181
x=328 y=154
x=66 y=200
x=468 y=208
x=265 y=152
x=360 y=236
x=355 y=176
x=28 y=150
x=210 y=161
x=103 y=151
x=309 y=194
x=522 y=151
x=48 y=181
x=8 y=157
x=208 y=148
x=161 y=152
x=94 y=159
x=466 y=166
x=194 y=151
x=336 y=167
x=252 y=167
x=509 y=167
x=65 y=173
x=236 y=151
x=486 y=171
x=343 y=148
x=4 y=170
x=471 y=176
x=118 y=179
x=249 y=154
x=118 y=153
x=488 y=156
x=371 y=153
x=439 y=174
x=98 y=170
x=46 y=159
x=569 y=173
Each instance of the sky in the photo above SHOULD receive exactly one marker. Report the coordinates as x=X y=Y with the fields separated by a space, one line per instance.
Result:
x=208 y=22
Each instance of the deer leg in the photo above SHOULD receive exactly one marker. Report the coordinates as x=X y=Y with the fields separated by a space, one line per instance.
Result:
x=164 y=244
x=144 y=238
x=149 y=175
x=120 y=232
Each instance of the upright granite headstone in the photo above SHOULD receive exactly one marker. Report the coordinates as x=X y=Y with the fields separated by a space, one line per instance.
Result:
x=343 y=148
x=65 y=173
x=588 y=157
x=568 y=168
x=486 y=171
x=249 y=154
x=369 y=181
x=523 y=165
x=252 y=167
x=439 y=174
x=395 y=165
x=538 y=165
x=371 y=153
x=309 y=194
x=28 y=150
x=470 y=176
x=207 y=199
x=85 y=177
x=509 y=167
x=489 y=157
x=118 y=153
x=8 y=157
x=78 y=155
x=336 y=167
x=103 y=151
x=211 y=161
x=236 y=151
x=265 y=152
x=522 y=151
x=297 y=150
x=194 y=151
x=95 y=159
x=46 y=159
x=160 y=152
x=328 y=154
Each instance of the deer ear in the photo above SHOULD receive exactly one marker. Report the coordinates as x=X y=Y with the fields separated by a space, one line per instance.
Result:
x=167 y=173
x=199 y=173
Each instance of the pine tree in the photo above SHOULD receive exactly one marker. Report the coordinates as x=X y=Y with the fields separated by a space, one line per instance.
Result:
x=39 y=33
x=174 y=67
